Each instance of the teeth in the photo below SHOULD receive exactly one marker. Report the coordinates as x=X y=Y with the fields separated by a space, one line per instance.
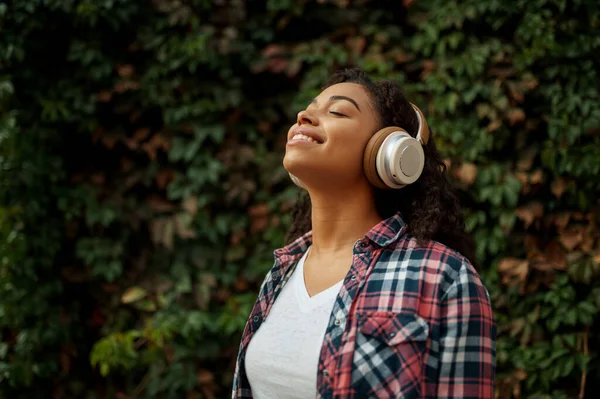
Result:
x=304 y=137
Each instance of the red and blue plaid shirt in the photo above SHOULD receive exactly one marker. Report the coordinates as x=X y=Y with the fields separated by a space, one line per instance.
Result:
x=412 y=320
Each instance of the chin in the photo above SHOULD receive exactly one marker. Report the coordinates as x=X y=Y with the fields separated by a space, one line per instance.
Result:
x=293 y=163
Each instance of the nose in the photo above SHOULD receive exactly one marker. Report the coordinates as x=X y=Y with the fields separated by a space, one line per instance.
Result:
x=305 y=117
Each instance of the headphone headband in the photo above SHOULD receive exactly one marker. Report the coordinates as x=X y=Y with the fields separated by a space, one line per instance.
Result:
x=423 y=131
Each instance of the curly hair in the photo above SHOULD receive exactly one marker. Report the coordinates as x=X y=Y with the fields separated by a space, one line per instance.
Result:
x=430 y=208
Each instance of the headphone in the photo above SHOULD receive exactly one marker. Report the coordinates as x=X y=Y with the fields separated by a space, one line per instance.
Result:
x=393 y=158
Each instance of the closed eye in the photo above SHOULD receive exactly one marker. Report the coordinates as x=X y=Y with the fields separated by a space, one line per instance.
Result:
x=336 y=113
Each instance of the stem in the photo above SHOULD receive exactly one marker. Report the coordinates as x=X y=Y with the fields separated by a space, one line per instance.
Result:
x=584 y=373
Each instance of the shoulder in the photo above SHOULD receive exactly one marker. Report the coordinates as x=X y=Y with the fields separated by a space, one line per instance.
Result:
x=436 y=266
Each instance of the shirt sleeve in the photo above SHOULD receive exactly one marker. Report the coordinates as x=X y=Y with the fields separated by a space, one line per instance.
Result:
x=467 y=339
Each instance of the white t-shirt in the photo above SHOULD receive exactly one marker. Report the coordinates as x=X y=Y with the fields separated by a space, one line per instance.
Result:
x=283 y=356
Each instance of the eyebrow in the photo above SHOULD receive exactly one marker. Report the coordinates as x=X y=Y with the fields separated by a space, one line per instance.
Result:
x=337 y=98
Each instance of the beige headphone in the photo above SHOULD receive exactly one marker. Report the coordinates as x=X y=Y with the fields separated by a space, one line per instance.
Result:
x=393 y=159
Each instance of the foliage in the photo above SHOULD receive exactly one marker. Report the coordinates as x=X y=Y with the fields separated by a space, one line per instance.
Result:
x=143 y=193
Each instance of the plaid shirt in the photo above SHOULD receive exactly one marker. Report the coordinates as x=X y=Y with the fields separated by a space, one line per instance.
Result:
x=412 y=320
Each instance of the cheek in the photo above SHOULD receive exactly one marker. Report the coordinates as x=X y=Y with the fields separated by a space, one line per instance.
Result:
x=348 y=150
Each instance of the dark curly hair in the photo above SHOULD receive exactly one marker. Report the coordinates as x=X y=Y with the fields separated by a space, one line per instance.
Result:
x=429 y=206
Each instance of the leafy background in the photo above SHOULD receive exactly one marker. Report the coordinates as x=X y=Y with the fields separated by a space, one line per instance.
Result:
x=142 y=192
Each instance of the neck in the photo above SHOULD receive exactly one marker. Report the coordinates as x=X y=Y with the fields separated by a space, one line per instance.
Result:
x=340 y=218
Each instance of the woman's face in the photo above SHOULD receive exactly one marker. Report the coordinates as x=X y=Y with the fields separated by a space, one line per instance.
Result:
x=325 y=147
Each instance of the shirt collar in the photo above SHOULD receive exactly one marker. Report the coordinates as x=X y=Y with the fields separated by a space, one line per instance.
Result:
x=388 y=230
x=383 y=234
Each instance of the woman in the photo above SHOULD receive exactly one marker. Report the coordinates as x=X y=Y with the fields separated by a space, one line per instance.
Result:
x=376 y=297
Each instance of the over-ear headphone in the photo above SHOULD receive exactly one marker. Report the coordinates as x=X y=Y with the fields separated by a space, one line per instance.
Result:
x=393 y=158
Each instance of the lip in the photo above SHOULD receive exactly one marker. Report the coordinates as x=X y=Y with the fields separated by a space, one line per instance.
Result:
x=307 y=132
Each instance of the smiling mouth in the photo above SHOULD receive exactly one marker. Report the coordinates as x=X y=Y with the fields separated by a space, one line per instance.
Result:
x=300 y=136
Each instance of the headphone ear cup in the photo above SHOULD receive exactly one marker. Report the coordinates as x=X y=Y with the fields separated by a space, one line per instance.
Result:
x=393 y=158
x=403 y=163
x=370 y=156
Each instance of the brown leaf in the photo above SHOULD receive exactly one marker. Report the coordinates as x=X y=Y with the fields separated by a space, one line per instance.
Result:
x=182 y=226
x=589 y=242
x=164 y=177
x=141 y=134
x=98 y=178
x=571 y=238
x=126 y=164
x=190 y=204
x=277 y=65
x=516 y=115
x=594 y=132
x=275 y=221
x=526 y=160
x=521 y=375
x=494 y=125
x=259 y=224
x=537 y=177
x=259 y=210
x=126 y=85
x=530 y=83
x=155 y=143
x=466 y=173
x=236 y=238
x=428 y=67
x=109 y=141
x=264 y=127
x=104 y=96
x=133 y=179
x=74 y=274
x=556 y=255
x=157 y=227
x=168 y=234
x=356 y=44
x=507 y=265
x=159 y=204
x=524 y=180
x=402 y=57
x=515 y=93
x=271 y=50
x=558 y=187
x=530 y=213
x=514 y=271
x=502 y=72
x=125 y=71
x=561 y=221
x=542 y=265
x=259 y=215
x=65 y=362
x=240 y=284
x=294 y=67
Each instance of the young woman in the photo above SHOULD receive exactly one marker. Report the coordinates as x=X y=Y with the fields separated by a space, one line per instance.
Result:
x=377 y=296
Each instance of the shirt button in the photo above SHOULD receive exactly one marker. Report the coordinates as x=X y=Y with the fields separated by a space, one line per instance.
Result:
x=353 y=278
x=363 y=244
x=338 y=322
x=393 y=334
x=326 y=373
x=256 y=319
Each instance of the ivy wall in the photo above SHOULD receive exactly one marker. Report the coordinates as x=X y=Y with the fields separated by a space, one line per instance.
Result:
x=142 y=191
